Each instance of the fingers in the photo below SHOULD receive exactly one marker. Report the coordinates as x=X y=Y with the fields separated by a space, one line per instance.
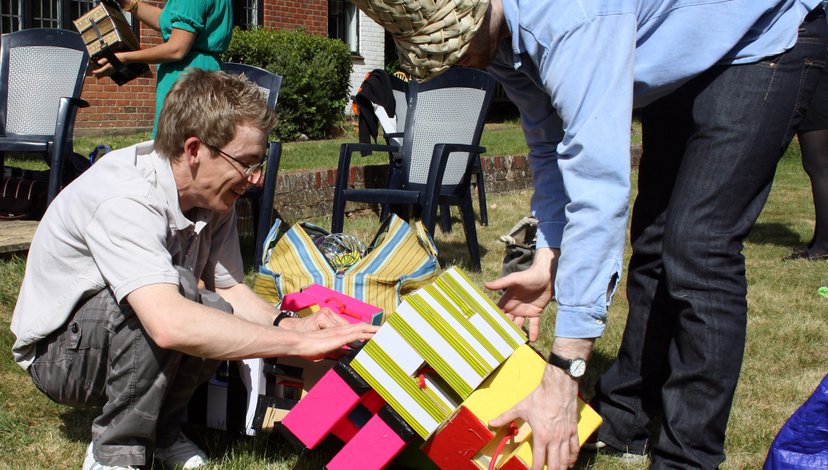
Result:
x=506 y=417
x=326 y=318
x=500 y=283
x=539 y=457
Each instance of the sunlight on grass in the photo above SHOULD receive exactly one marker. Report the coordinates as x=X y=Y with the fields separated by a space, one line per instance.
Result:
x=785 y=355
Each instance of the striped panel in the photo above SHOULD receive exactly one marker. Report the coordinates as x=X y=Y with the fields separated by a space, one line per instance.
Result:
x=403 y=259
x=449 y=326
x=464 y=293
x=418 y=408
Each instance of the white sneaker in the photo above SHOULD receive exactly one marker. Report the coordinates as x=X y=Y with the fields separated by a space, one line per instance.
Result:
x=182 y=453
x=89 y=462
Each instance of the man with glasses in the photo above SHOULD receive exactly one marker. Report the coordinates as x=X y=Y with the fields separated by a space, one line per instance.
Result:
x=110 y=312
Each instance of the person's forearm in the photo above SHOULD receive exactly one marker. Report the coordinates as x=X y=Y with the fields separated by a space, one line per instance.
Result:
x=570 y=348
x=165 y=52
x=174 y=322
x=248 y=305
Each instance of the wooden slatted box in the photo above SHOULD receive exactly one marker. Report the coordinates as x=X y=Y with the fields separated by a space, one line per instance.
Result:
x=105 y=31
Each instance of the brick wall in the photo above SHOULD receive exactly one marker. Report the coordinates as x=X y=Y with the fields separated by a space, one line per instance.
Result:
x=132 y=106
x=312 y=15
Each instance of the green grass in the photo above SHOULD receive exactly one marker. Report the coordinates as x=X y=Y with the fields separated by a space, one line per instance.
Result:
x=499 y=139
x=785 y=355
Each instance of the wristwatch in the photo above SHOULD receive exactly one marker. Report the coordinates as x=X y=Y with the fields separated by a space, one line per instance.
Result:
x=284 y=314
x=575 y=368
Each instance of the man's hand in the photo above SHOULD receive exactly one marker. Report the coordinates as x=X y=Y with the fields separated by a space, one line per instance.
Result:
x=528 y=292
x=317 y=344
x=319 y=320
x=551 y=410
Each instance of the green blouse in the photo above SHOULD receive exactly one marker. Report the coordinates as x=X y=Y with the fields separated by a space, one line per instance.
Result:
x=212 y=23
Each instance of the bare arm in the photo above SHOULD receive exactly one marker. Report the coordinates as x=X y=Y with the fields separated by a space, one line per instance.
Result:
x=174 y=322
x=174 y=49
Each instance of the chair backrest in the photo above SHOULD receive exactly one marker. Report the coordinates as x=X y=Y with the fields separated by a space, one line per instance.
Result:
x=38 y=67
x=448 y=109
x=269 y=82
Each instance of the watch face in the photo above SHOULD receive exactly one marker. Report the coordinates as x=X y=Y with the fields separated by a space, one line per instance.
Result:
x=577 y=368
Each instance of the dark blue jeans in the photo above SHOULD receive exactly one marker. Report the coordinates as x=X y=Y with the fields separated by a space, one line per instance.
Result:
x=710 y=152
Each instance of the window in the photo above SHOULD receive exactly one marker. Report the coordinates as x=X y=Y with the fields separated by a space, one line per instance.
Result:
x=247 y=13
x=343 y=23
x=25 y=14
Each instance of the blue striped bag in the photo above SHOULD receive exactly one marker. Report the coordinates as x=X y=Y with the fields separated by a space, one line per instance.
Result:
x=401 y=259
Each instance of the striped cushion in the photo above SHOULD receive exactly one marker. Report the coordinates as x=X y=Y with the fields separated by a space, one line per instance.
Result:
x=402 y=260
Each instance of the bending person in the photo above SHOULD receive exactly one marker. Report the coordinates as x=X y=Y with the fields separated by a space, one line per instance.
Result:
x=717 y=105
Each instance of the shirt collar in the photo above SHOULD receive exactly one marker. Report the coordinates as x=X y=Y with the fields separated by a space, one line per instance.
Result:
x=166 y=182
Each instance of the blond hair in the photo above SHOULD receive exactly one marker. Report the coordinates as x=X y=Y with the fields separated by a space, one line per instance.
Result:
x=210 y=106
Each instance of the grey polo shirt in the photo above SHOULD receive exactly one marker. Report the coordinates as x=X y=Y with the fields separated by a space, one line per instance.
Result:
x=118 y=225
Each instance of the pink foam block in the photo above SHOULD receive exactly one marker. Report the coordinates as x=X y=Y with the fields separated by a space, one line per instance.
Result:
x=315 y=415
x=372 y=447
x=351 y=309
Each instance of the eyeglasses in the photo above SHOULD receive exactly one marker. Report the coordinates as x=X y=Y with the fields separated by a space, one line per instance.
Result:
x=249 y=170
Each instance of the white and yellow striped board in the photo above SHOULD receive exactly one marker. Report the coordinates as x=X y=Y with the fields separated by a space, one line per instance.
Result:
x=447 y=336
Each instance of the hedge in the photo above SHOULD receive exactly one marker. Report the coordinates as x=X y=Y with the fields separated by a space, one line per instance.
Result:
x=316 y=77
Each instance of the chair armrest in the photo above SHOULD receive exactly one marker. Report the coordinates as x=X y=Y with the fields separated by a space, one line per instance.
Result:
x=64 y=125
x=439 y=160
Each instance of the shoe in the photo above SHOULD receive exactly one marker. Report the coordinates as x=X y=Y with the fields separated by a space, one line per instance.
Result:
x=804 y=252
x=594 y=445
x=89 y=463
x=182 y=453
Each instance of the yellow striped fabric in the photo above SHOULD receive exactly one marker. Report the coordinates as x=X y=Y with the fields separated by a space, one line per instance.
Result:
x=402 y=258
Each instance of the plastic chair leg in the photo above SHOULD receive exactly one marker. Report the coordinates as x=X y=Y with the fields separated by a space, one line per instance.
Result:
x=481 y=193
x=445 y=218
x=467 y=212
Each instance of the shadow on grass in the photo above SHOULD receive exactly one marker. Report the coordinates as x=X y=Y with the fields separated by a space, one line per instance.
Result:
x=774 y=233
x=77 y=423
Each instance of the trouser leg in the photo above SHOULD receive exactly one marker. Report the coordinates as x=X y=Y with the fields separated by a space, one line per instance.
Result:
x=686 y=328
x=103 y=356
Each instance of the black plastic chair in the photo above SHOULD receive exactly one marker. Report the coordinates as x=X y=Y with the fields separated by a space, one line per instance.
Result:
x=261 y=199
x=444 y=121
x=41 y=77
x=401 y=95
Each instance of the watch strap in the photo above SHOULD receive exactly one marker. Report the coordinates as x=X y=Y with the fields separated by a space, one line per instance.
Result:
x=284 y=314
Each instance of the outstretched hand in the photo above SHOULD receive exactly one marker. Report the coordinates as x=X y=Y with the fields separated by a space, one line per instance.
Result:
x=527 y=293
x=324 y=332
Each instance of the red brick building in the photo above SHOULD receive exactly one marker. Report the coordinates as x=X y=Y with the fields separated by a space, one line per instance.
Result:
x=132 y=106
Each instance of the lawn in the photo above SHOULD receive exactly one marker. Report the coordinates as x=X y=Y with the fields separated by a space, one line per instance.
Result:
x=785 y=356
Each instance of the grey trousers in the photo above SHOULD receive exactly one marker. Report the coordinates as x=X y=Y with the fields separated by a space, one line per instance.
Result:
x=104 y=357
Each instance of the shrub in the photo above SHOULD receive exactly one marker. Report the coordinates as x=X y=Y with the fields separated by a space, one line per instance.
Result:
x=316 y=77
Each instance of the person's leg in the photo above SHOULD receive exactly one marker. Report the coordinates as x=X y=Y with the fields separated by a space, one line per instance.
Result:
x=104 y=356
x=744 y=118
x=814 y=145
x=686 y=273
x=628 y=393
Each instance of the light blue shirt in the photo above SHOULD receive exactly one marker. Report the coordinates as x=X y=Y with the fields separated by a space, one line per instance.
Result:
x=575 y=69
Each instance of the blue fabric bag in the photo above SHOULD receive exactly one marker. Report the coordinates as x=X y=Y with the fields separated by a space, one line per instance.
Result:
x=802 y=443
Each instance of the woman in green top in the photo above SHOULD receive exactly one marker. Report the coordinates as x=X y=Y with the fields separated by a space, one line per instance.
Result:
x=195 y=33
